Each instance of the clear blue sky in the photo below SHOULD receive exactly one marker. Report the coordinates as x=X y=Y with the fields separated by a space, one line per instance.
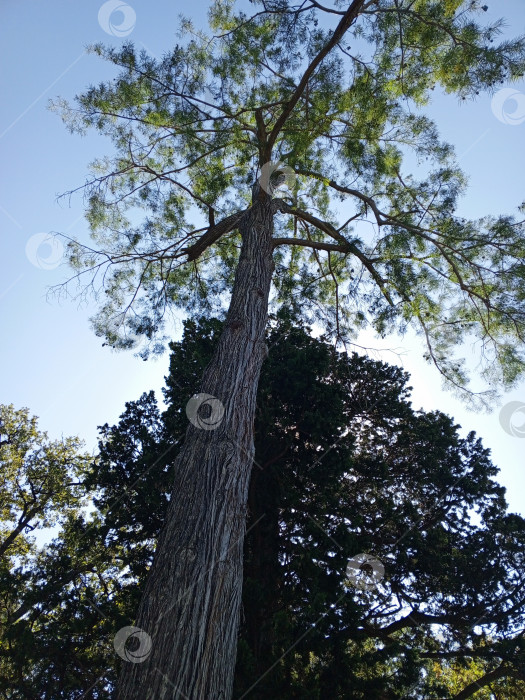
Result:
x=51 y=360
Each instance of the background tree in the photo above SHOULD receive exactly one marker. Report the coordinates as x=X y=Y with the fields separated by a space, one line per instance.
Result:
x=397 y=483
x=39 y=479
x=482 y=678
x=68 y=599
x=40 y=487
x=336 y=93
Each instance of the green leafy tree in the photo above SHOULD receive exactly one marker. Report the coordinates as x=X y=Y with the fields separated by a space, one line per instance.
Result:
x=186 y=212
x=486 y=677
x=40 y=487
x=39 y=479
x=396 y=483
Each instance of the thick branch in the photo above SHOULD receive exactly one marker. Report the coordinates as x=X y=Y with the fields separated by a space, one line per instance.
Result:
x=348 y=190
x=318 y=245
x=23 y=522
x=348 y=18
x=344 y=244
x=325 y=226
x=414 y=619
x=213 y=234
x=489 y=677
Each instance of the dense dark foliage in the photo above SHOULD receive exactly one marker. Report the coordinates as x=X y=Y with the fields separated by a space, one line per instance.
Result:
x=344 y=465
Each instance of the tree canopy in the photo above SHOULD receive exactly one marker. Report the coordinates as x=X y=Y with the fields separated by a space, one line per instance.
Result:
x=40 y=487
x=344 y=465
x=40 y=479
x=329 y=100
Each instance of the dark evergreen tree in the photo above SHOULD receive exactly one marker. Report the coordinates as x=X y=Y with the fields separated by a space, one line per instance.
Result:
x=344 y=465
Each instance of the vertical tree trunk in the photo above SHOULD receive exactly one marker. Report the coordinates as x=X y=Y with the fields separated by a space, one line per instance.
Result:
x=191 y=604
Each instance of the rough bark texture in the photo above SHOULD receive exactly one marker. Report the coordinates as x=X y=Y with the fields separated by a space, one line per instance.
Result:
x=191 y=604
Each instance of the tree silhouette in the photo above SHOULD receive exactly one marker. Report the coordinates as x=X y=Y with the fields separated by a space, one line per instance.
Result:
x=344 y=466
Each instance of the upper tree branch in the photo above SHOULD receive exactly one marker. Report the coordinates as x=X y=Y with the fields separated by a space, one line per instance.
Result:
x=379 y=215
x=344 y=246
x=348 y=18
x=317 y=245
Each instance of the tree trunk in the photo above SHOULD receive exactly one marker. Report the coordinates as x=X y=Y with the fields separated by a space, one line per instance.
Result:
x=191 y=603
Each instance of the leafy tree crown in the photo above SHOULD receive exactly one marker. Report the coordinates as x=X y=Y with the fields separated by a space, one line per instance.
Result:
x=330 y=100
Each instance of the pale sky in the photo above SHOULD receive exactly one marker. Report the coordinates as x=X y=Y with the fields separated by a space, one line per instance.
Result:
x=51 y=360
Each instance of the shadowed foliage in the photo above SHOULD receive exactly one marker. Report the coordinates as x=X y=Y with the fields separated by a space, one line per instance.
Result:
x=344 y=465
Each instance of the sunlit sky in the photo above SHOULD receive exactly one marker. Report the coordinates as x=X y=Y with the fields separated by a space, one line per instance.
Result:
x=51 y=360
